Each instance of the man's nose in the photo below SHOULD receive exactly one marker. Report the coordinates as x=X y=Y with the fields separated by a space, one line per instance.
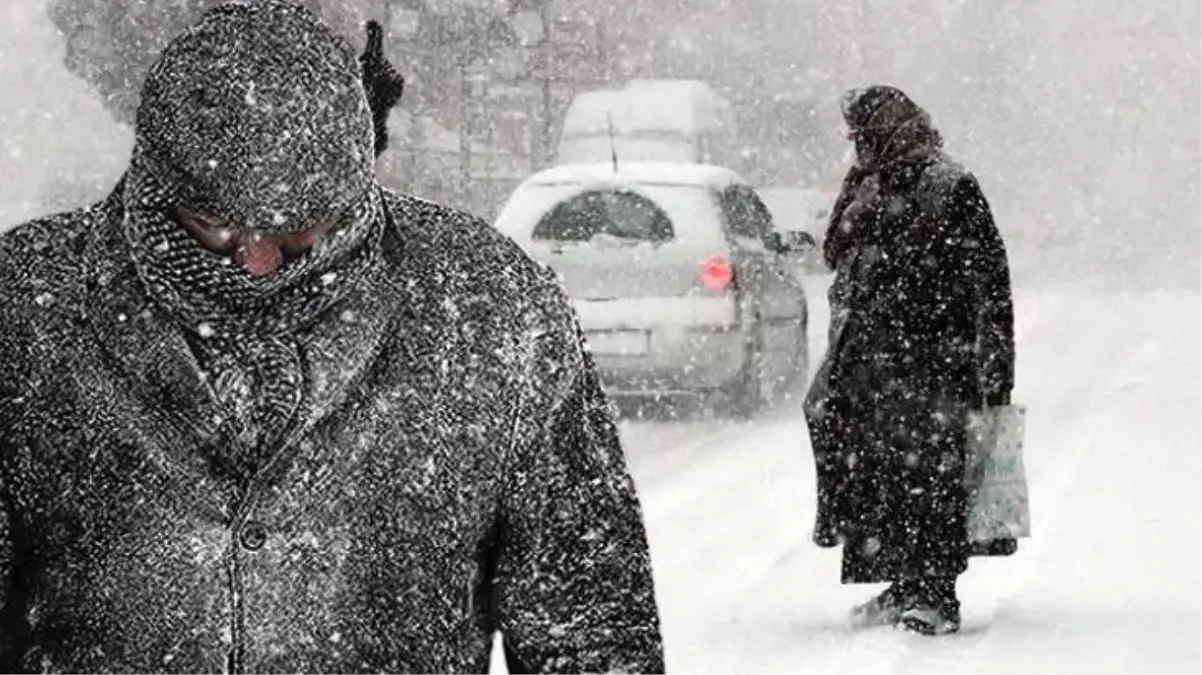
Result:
x=258 y=254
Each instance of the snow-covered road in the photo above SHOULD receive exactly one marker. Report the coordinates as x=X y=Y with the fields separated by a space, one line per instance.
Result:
x=1108 y=583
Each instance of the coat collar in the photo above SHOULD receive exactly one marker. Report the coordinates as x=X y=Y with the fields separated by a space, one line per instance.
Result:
x=150 y=351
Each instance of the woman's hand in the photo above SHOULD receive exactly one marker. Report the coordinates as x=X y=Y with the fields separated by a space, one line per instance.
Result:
x=863 y=197
x=868 y=189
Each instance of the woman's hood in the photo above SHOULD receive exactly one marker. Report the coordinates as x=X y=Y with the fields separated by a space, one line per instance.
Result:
x=889 y=126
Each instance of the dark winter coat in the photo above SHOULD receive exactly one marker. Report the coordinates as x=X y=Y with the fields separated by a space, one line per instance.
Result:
x=372 y=459
x=923 y=295
x=455 y=471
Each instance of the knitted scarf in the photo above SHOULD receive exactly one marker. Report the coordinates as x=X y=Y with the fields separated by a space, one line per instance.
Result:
x=894 y=137
x=257 y=116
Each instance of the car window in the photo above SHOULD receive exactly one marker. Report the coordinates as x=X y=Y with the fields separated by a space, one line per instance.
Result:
x=692 y=211
x=762 y=214
x=745 y=213
x=616 y=213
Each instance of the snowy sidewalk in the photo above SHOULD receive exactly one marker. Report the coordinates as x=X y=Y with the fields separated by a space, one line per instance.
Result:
x=1110 y=582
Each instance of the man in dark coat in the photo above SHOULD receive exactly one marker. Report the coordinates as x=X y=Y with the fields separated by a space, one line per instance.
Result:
x=922 y=335
x=259 y=414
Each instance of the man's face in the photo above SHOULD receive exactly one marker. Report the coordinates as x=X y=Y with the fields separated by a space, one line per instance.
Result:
x=259 y=253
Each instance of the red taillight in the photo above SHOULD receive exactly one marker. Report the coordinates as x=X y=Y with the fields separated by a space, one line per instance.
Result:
x=716 y=272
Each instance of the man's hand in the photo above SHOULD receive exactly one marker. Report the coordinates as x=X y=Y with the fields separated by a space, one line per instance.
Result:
x=383 y=83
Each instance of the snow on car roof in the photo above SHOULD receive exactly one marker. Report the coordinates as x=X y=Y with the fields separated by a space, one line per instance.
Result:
x=684 y=106
x=663 y=173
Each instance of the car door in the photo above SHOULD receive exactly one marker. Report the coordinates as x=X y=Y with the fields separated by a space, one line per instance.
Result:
x=780 y=292
x=751 y=259
x=780 y=297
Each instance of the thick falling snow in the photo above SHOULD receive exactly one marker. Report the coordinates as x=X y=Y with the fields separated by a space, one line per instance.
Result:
x=503 y=365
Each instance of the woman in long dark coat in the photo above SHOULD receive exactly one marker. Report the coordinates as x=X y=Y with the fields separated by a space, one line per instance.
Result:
x=922 y=333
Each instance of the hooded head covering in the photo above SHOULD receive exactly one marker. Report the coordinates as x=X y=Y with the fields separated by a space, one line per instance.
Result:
x=894 y=140
x=257 y=116
x=888 y=126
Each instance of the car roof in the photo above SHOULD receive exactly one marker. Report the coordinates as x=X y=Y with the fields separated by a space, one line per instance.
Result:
x=645 y=173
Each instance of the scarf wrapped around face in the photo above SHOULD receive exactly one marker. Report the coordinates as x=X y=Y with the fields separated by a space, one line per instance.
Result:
x=213 y=296
x=892 y=133
x=256 y=116
x=889 y=127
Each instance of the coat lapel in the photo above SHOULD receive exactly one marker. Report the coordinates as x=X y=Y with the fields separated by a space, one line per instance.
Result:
x=149 y=352
x=340 y=350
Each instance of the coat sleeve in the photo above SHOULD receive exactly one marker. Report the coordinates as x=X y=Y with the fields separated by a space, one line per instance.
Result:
x=5 y=581
x=989 y=269
x=21 y=364
x=12 y=619
x=575 y=592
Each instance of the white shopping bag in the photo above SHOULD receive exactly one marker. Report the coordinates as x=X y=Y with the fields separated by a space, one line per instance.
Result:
x=995 y=477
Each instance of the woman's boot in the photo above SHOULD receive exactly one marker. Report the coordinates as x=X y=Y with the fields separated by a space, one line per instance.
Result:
x=884 y=609
x=934 y=608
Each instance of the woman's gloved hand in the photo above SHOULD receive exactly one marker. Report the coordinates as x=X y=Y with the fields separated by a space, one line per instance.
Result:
x=864 y=198
x=383 y=83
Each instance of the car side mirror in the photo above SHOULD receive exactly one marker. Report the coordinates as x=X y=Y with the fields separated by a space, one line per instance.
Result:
x=795 y=243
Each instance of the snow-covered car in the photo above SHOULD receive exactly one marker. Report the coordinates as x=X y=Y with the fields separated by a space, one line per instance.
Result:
x=681 y=283
x=651 y=121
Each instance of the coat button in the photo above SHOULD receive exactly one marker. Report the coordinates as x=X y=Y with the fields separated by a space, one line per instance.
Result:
x=253 y=536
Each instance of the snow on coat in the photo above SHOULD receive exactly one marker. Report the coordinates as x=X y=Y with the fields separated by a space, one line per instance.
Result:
x=923 y=295
x=446 y=467
x=456 y=470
